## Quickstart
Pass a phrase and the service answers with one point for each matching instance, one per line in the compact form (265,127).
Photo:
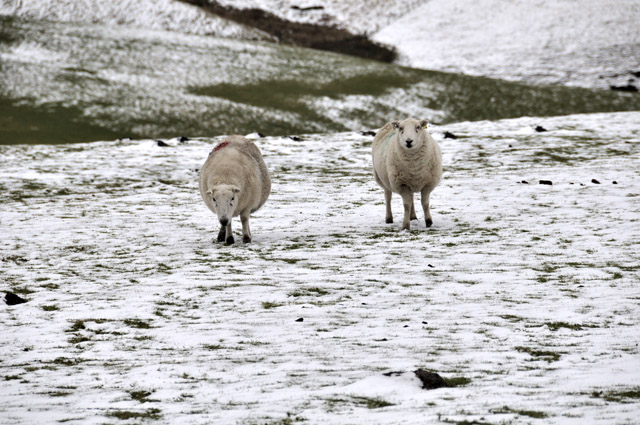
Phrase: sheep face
(224,198)
(410,133)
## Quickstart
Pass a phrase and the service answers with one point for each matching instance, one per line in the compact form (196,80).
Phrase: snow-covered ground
(590,43)
(528,291)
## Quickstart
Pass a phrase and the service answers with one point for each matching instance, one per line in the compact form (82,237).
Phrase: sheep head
(224,198)
(411,133)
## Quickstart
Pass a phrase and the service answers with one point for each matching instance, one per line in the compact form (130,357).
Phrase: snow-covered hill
(590,43)
(524,295)
(141,14)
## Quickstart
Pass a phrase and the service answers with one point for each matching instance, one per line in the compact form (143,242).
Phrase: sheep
(406,159)
(234,180)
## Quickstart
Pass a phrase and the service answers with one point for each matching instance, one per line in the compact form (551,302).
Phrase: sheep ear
(235,189)
(210,192)
(424,123)
(395,124)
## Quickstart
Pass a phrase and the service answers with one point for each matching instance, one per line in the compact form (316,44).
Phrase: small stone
(628,88)
(430,380)
(368,133)
(594,181)
(540,129)
(547,182)
(405,326)
(12,299)
(430,265)
(424,322)
(393,373)
(183,139)
(524,182)
(295,138)
(449,135)
(300,319)
(615,182)
(261,135)
(161,143)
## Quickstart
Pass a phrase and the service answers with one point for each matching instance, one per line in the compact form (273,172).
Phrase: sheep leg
(388,218)
(246,232)
(424,194)
(229,240)
(407,200)
(413,210)
(222,233)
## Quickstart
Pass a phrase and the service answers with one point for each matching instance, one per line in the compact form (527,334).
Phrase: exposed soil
(301,34)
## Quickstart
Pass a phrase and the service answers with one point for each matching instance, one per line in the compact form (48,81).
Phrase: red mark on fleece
(220,146)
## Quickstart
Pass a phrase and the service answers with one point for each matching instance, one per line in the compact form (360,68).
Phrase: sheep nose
(224,221)
(409,142)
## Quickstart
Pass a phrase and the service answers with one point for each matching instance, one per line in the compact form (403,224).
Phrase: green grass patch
(554,326)
(138,323)
(50,308)
(530,413)
(153,414)
(458,381)
(631,395)
(548,356)
(309,292)
(267,305)
(140,396)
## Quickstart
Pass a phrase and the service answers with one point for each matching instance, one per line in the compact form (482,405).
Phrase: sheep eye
(401,129)
(417,128)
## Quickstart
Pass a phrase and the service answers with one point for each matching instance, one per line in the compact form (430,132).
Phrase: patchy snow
(527,290)
(594,43)
(149,14)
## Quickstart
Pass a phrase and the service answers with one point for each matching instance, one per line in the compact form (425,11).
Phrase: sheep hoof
(388,220)
(246,239)
(230,240)
(428,222)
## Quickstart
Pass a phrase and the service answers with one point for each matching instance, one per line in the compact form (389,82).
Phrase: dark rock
(615,182)
(12,299)
(405,326)
(306,9)
(449,135)
(425,323)
(628,88)
(540,129)
(510,146)
(261,135)
(393,373)
(430,265)
(547,182)
(295,138)
(524,182)
(594,181)
(368,133)
(636,73)
(430,380)
(183,139)
(161,143)
(300,319)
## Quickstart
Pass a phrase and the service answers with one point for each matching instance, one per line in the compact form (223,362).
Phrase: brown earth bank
(301,34)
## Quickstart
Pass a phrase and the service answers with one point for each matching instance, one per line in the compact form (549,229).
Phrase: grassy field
(523,296)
